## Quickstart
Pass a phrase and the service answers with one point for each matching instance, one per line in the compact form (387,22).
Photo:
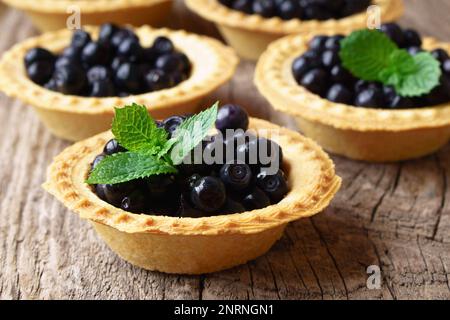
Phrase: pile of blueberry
(299,9)
(200,189)
(320,71)
(114,65)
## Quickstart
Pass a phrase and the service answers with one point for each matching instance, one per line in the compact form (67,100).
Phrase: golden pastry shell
(213,10)
(273,74)
(312,182)
(212,65)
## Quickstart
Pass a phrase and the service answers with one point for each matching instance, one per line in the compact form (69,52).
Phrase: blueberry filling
(206,188)
(299,9)
(114,65)
(320,70)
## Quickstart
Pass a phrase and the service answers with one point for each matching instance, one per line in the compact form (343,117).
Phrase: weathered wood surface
(396,216)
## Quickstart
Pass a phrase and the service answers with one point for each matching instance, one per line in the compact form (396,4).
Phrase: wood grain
(396,216)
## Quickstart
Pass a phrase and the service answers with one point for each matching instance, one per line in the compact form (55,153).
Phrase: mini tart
(49,15)
(377,135)
(75,117)
(250,35)
(197,245)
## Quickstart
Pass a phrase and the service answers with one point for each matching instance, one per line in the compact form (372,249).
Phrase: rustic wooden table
(396,216)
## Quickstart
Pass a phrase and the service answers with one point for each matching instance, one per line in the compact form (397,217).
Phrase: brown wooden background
(396,216)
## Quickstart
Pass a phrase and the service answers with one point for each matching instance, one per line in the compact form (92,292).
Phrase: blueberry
(159,185)
(256,199)
(97,160)
(97,73)
(334,42)
(163,45)
(226,3)
(301,65)
(172,123)
(231,207)
(208,194)
(80,39)
(394,32)
(289,9)
(340,94)
(157,80)
(102,88)
(128,77)
(177,77)
(353,6)
(64,61)
(107,31)
(149,55)
(341,75)
(236,176)
(370,98)
(412,38)
(243,6)
(315,81)
(414,50)
(112,146)
(116,63)
(360,85)
(38,54)
(130,50)
(274,185)
(318,42)
(446,66)
(389,94)
(186,210)
(70,79)
(95,53)
(260,152)
(114,193)
(265,8)
(330,58)
(40,71)
(134,202)
(185,64)
(399,102)
(440,54)
(168,63)
(316,12)
(50,85)
(120,35)
(231,116)
(72,53)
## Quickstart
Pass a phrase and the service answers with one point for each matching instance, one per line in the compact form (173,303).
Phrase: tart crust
(197,245)
(358,133)
(75,117)
(49,15)
(251,34)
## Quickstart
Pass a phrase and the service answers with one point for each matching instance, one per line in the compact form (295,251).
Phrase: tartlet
(196,245)
(76,117)
(49,15)
(250,35)
(368,134)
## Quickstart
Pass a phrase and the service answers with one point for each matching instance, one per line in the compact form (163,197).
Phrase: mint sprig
(370,55)
(126,166)
(135,130)
(150,152)
(190,133)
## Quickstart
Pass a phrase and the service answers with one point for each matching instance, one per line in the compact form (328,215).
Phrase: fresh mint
(135,130)
(150,152)
(370,55)
(190,133)
(126,166)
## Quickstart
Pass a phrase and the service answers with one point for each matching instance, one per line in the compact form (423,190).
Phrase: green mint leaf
(423,80)
(365,53)
(190,133)
(126,166)
(370,55)
(135,130)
